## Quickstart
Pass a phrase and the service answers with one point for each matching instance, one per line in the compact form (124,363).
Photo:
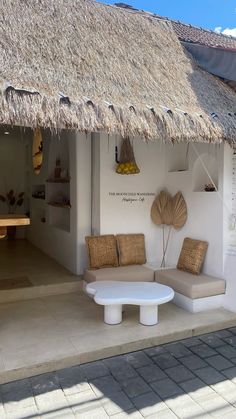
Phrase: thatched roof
(120,72)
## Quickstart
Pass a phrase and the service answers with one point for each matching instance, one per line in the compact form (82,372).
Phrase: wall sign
(132,197)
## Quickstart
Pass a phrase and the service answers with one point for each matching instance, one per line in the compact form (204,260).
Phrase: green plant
(12,200)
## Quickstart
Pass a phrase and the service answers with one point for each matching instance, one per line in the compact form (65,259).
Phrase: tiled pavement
(192,378)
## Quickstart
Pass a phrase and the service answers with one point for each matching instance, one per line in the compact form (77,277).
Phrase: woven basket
(102,251)
(131,248)
(127,164)
(192,255)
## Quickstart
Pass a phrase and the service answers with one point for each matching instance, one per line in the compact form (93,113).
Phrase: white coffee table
(113,294)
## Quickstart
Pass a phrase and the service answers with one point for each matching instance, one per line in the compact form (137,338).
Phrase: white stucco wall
(229,235)
(64,245)
(82,193)
(116,215)
(205,210)
(56,242)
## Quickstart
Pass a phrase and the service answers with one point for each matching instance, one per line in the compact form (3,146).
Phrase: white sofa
(128,273)
(193,292)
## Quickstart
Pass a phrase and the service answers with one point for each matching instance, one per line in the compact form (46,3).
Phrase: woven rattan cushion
(102,251)
(131,248)
(192,255)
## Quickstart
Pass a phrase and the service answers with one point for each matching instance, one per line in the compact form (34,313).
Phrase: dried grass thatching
(118,72)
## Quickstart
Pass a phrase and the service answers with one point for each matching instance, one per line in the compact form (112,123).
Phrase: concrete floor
(191,379)
(53,332)
(41,331)
(20,258)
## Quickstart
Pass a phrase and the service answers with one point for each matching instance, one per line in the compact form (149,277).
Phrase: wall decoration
(131,197)
(37,151)
(210,187)
(57,170)
(168,212)
(127,164)
(12,200)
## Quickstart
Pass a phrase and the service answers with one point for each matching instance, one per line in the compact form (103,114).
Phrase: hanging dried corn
(127,164)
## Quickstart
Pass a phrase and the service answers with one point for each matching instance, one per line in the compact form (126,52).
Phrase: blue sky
(211,14)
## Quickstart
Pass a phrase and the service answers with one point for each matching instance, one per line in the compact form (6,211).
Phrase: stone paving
(193,378)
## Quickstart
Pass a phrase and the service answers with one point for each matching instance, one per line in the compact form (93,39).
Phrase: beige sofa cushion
(102,251)
(131,249)
(192,286)
(192,255)
(130,273)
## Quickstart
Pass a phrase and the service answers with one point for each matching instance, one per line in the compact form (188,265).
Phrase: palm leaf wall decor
(170,212)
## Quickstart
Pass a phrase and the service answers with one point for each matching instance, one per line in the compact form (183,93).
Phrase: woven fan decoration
(127,164)
(170,212)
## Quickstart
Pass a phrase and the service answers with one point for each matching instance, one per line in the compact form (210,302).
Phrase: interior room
(35,181)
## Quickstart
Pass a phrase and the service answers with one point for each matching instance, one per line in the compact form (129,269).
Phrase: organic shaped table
(12,220)
(114,294)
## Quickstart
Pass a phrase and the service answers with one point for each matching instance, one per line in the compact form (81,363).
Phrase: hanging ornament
(127,164)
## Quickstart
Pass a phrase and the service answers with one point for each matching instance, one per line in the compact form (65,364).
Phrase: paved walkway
(193,378)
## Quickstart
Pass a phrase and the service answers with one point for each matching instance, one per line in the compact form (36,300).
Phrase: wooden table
(11,220)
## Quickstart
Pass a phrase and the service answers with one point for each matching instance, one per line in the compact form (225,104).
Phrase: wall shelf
(38,192)
(178,158)
(59,180)
(206,192)
(58,187)
(58,205)
(201,176)
(179,171)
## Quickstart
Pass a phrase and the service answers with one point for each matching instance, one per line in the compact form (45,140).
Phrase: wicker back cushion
(192,255)
(131,248)
(102,251)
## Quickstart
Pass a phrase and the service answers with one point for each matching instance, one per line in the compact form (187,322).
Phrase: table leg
(148,315)
(113,314)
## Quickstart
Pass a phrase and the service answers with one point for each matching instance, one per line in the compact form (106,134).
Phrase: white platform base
(199,304)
